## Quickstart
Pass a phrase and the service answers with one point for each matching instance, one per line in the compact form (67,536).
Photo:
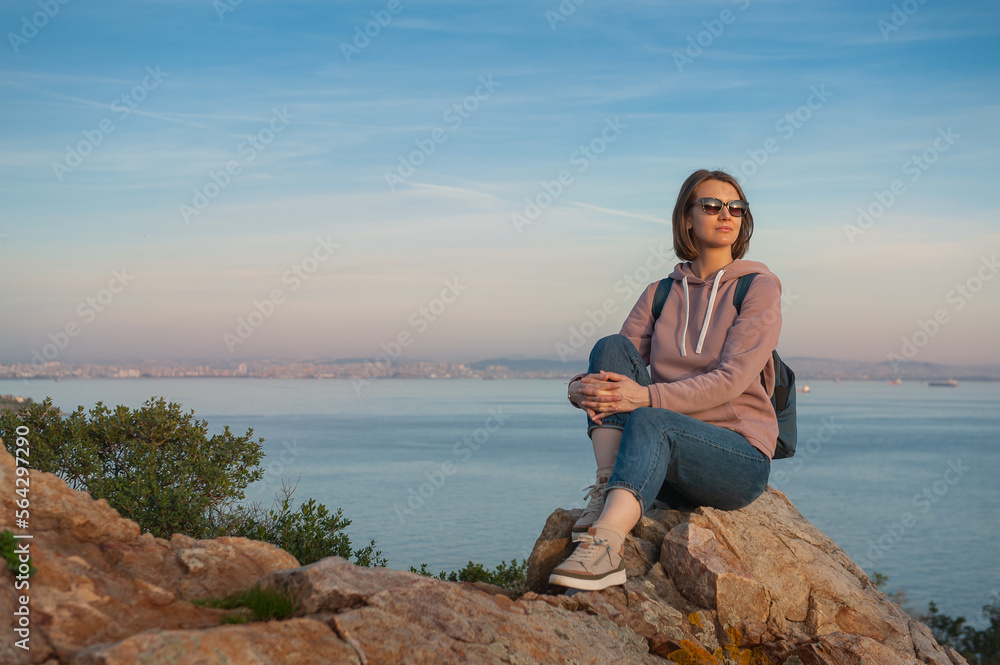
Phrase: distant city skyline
(460,181)
(363,371)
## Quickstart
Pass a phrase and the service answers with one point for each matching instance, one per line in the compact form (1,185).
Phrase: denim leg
(615,353)
(686,458)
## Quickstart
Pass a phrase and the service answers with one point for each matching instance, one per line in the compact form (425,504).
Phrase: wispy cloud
(620,213)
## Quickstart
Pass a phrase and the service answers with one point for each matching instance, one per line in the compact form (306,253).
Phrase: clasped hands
(606,393)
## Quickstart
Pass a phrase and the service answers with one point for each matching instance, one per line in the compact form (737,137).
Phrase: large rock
(761,582)
(294,642)
(398,617)
(757,585)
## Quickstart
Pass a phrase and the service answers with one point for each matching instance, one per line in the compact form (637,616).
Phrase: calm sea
(905,478)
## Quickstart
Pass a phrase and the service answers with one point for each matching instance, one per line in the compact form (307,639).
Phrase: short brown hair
(683,245)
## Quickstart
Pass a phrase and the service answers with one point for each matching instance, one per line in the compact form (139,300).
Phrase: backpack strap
(660,297)
(742,286)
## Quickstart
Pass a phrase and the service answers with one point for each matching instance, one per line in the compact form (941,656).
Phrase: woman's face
(713,231)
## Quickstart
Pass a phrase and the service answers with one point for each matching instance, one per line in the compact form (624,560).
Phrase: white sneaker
(592,566)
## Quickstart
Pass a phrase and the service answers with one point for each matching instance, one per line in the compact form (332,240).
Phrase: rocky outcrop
(757,585)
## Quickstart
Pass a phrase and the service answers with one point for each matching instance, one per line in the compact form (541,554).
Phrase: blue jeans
(677,459)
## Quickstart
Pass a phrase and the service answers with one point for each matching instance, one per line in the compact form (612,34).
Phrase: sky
(236,179)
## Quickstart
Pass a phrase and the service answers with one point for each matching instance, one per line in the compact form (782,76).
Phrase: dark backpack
(783,398)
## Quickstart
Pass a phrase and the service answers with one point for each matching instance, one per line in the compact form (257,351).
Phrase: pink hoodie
(706,361)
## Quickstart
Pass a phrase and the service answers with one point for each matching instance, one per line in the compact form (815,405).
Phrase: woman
(698,429)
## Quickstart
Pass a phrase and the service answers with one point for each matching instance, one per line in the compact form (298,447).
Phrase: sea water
(443,472)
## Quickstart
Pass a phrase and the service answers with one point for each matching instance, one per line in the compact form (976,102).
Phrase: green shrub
(7,552)
(264,604)
(157,466)
(509,577)
(977,646)
(981,647)
(309,533)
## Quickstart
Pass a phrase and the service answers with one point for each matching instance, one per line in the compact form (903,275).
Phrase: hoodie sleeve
(746,350)
(638,326)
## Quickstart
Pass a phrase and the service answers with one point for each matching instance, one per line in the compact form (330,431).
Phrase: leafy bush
(509,577)
(981,647)
(977,646)
(157,465)
(9,554)
(262,605)
(309,533)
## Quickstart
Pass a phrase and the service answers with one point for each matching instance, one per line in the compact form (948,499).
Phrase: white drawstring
(687,312)
(708,314)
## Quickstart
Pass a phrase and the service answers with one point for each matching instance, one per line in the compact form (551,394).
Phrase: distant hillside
(804,368)
(824,368)
(571,367)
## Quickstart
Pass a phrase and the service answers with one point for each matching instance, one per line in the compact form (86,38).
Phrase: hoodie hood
(683,273)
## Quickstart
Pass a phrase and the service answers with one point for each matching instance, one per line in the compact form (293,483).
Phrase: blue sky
(230,161)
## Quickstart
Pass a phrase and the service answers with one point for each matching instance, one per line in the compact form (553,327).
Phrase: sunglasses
(713,206)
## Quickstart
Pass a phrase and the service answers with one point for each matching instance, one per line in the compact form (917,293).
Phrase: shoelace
(595,493)
(589,550)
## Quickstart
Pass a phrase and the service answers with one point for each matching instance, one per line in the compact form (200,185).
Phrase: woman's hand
(605,393)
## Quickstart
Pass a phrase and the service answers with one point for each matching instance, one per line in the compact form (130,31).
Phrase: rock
(401,617)
(756,585)
(709,575)
(759,582)
(293,642)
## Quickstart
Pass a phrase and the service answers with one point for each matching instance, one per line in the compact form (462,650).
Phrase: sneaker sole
(588,584)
